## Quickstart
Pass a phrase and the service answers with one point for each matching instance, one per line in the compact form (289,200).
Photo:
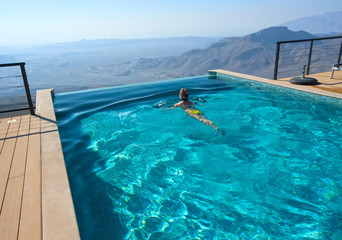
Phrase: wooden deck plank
(6,158)
(4,124)
(3,132)
(9,218)
(19,157)
(10,215)
(30,221)
(327,83)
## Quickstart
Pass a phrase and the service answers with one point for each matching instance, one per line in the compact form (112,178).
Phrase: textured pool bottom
(272,176)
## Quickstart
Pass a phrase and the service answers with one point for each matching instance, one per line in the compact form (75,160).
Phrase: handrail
(311,40)
(12,64)
(26,85)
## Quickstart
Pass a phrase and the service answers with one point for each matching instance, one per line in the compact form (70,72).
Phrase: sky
(34,22)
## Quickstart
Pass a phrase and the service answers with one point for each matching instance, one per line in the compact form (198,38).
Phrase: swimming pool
(137,171)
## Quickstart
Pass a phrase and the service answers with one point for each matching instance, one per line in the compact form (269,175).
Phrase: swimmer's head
(183,94)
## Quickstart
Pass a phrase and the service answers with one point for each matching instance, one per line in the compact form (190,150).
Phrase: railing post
(339,55)
(309,60)
(275,76)
(27,88)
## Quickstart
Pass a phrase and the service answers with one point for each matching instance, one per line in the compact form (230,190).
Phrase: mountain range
(252,54)
(327,23)
(106,62)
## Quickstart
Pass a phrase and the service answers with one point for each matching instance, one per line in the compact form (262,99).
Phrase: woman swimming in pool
(189,108)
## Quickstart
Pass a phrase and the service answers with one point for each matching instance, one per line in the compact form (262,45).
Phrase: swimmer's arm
(167,109)
(176,105)
(196,103)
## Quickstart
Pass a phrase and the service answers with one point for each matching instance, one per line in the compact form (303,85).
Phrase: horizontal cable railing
(317,54)
(11,99)
(17,76)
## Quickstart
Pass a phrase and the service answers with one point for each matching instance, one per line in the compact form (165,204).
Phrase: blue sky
(44,21)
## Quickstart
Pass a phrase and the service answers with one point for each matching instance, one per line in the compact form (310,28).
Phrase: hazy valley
(97,63)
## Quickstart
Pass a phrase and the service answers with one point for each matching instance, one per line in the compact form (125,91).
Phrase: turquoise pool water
(138,171)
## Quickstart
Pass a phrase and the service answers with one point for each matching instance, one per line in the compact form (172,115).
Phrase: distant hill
(93,63)
(251,54)
(330,22)
(118,48)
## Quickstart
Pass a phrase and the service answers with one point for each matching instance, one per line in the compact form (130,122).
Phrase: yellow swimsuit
(194,112)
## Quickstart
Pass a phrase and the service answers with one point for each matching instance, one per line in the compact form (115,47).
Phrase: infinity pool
(138,171)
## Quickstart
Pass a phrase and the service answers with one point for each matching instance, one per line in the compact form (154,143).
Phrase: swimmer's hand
(220,131)
(164,105)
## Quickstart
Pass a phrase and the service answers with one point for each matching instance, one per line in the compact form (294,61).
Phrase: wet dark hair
(184,94)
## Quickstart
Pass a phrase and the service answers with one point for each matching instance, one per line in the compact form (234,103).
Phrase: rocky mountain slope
(251,54)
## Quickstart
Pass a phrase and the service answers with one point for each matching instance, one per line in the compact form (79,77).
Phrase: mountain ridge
(250,54)
(97,63)
(329,22)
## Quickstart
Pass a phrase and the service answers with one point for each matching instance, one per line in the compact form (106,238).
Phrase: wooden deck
(326,84)
(20,178)
(35,198)
(326,87)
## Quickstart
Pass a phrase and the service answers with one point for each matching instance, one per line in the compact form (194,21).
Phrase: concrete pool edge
(58,213)
(303,88)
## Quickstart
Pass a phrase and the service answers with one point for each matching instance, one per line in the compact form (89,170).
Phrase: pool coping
(58,212)
(284,84)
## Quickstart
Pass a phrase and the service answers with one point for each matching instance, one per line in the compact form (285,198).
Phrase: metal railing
(306,58)
(25,81)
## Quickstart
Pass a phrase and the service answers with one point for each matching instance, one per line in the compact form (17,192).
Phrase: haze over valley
(90,64)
